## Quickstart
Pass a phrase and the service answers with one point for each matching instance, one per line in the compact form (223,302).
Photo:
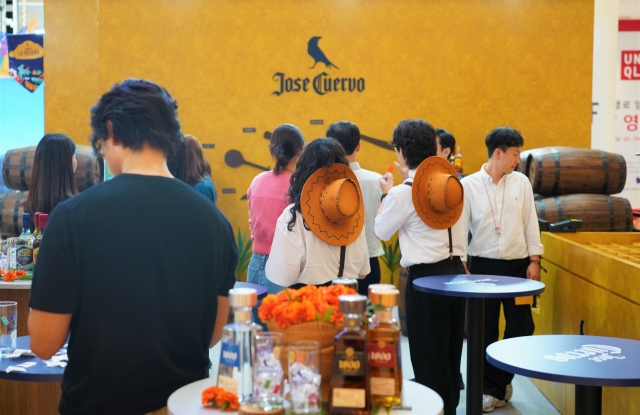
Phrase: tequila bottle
(42,219)
(349,382)
(24,246)
(383,339)
(235,373)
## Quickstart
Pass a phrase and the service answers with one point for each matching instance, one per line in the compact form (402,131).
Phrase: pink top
(267,200)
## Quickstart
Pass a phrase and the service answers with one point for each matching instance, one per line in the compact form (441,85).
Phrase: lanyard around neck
(493,216)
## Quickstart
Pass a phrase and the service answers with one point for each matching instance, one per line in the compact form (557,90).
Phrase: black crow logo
(317,54)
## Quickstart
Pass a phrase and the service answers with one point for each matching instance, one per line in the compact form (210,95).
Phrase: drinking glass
(304,376)
(8,326)
(268,375)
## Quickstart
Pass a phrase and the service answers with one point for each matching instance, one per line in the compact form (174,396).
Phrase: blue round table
(589,362)
(262,291)
(476,288)
(38,373)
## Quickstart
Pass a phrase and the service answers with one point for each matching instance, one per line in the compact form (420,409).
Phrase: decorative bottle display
(350,374)
(383,337)
(236,357)
(42,219)
(24,246)
(457,160)
(349,282)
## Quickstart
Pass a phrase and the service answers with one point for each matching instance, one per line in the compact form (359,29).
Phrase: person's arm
(532,234)
(222,316)
(404,171)
(390,217)
(361,244)
(49,332)
(287,255)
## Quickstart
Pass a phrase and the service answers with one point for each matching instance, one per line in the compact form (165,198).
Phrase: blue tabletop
(478,286)
(580,360)
(262,291)
(38,373)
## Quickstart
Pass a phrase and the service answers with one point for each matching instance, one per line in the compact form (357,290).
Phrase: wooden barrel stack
(17,167)
(577,183)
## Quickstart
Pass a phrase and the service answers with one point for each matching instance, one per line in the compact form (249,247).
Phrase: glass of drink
(8,326)
(268,375)
(304,376)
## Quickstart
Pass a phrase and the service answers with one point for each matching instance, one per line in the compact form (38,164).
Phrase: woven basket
(319,331)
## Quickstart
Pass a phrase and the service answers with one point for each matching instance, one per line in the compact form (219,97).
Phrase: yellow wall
(465,65)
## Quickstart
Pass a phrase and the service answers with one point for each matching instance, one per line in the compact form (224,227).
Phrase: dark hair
(140,112)
(503,138)
(447,140)
(347,134)
(321,152)
(197,166)
(286,142)
(177,163)
(52,178)
(416,139)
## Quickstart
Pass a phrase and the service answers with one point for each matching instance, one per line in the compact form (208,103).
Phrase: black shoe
(461,382)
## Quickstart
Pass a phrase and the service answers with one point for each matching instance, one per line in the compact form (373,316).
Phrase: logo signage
(630,65)
(230,355)
(322,83)
(595,352)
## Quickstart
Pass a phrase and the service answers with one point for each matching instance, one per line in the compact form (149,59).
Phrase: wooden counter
(19,292)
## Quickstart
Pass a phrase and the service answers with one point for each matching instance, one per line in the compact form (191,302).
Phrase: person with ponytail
(267,199)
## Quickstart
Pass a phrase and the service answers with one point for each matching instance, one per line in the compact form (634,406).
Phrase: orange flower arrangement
(308,303)
(220,398)
(12,275)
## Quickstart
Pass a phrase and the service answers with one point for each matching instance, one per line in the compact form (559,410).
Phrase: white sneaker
(489,403)
(509,393)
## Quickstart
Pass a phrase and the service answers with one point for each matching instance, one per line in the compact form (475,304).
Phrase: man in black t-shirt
(135,270)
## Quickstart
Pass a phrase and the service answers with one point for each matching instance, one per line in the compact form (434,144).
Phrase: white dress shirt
(299,256)
(519,235)
(419,243)
(371,194)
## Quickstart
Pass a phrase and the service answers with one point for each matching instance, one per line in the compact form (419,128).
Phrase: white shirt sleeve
(391,218)
(466,217)
(287,256)
(531,227)
(361,244)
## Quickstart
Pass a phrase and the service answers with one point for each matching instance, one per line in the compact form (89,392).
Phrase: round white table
(422,400)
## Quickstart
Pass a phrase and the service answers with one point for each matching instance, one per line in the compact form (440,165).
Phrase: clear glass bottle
(42,219)
(383,338)
(36,221)
(349,282)
(235,373)
(349,384)
(24,246)
(458,160)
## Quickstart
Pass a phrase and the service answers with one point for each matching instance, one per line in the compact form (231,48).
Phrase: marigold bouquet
(306,304)
(220,398)
(11,275)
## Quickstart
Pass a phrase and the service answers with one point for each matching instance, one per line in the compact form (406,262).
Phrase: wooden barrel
(402,309)
(11,211)
(17,167)
(599,213)
(569,170)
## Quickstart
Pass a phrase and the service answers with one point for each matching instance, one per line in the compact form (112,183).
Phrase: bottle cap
(243,297)
(36,218)
(384,297)
(26,220)
(349,282)
(44,218)
(381,287)
(352,303)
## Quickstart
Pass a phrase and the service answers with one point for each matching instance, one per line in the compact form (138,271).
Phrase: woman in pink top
(267,198)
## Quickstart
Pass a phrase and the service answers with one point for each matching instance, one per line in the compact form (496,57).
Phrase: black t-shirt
(139,261)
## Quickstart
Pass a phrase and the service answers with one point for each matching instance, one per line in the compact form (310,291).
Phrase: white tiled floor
(527,399)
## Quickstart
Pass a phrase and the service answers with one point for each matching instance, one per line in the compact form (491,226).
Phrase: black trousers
(518,318)
(435,324)
(372,277)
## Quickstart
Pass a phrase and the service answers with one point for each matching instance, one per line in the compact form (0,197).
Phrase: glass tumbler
(304,376)
(268,375)
(8,326)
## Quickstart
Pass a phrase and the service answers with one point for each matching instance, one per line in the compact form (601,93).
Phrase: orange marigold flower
(20,273)
(220,398)
(9,276)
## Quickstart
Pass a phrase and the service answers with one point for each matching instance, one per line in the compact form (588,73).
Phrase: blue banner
(26,59)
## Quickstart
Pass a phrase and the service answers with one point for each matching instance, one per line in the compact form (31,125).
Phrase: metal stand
(475,355)
(588,400)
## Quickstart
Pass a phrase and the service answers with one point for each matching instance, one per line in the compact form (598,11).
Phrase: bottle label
(230,354)
(382,354)
(383,386)
(348,398)
(349,362)
(24,256)
(230,384)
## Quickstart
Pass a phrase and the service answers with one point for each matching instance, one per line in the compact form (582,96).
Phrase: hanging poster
(627,140)
(26,59)
(4,58)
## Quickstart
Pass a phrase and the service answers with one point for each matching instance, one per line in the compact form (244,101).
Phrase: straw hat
(438,196)
(331,204)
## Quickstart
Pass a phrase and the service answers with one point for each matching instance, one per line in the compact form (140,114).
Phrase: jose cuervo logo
(596,352)
(322,83)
